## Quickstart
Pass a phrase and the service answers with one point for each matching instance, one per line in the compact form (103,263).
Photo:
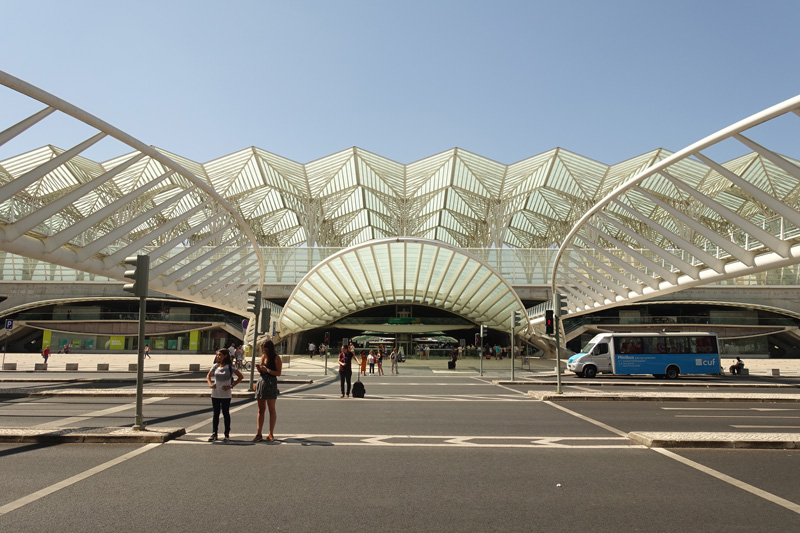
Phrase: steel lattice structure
(685,221)
(650,225)
(58,207)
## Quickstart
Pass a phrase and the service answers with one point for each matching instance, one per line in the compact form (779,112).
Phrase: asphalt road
(418,454)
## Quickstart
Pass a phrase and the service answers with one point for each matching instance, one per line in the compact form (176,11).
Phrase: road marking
(688,462)
(16,504)
(727,409)
(760,417)
(590,420)
(766,427)
(434,441)
(64,422)
(732,481)
(422,397)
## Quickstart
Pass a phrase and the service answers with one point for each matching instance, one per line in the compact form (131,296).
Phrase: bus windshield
(588,347)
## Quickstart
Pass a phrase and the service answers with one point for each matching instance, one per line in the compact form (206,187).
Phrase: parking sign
(9,323)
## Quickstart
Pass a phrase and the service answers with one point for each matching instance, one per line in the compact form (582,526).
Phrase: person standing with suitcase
(345,369)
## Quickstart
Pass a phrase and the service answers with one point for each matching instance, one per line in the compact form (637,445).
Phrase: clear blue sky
(406,79)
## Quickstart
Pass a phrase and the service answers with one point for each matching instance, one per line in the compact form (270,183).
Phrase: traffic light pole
(139,273)
(254,306)
(556,323)
(253,353)
(139,417)
(513,324)
(480,349)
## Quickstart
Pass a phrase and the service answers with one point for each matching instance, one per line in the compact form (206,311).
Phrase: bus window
(602,349)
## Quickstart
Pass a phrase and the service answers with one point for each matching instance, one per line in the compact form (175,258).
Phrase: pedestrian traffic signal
(254,302)
(549,322)
(477,339)
(327,338)
(139,272)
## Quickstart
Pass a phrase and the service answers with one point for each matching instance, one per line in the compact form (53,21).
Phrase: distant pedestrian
(371,361)
(379,361)
(147,351)
(224,374)
(267,389)
(427,352)
(232,350)
(393,358)
(362,363)
(311,349)
(239,356)
(46,353)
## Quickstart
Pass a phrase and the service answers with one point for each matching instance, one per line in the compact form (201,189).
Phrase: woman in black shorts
(267,388)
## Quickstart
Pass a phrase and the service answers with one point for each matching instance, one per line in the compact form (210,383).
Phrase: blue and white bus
(664,355)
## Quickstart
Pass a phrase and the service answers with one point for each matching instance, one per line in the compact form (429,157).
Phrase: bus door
(601,357)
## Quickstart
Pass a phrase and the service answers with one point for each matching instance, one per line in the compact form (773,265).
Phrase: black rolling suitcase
(451,365)
(358,388)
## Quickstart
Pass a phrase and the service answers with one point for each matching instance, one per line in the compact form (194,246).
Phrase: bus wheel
(673,372)
(590,371)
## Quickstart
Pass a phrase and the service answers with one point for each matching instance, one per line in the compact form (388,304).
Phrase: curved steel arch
(58,207)
(685,221)
(400,270)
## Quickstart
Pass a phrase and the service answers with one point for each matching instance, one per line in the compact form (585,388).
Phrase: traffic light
(327,338)
(477,339)
(549,322)
(560,304)
(265,316)
(139,272)
(483,332)
(254,302)
(517,318)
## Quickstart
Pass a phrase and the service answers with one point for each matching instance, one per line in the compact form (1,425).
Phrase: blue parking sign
(9,323)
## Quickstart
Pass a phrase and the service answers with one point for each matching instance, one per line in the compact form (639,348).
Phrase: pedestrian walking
(224,374)
(311,349)
(393,358)
(269,368)
(371,361)
(345,369)
(46,353)
(147,351)
(362,363)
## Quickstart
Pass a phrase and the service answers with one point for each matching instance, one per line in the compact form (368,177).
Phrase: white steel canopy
(401,271)
(687,220)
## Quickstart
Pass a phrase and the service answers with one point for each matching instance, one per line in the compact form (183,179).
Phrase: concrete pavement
(302,369)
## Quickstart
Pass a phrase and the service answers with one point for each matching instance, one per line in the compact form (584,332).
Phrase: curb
(116,393)
(698,384)
(88,435)
(771,441)
(663,397)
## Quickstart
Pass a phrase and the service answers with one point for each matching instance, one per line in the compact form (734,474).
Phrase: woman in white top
(223,373)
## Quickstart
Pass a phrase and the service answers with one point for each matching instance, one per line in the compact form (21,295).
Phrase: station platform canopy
(401,271)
